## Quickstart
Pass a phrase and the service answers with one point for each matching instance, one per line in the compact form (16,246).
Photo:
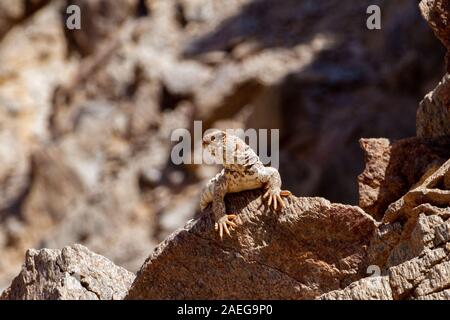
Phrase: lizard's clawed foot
(274,198)
(225,223)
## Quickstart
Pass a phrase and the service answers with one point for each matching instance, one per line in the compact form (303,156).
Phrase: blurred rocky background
(86,115)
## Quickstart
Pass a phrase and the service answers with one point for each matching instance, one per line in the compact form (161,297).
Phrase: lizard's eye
(213,138)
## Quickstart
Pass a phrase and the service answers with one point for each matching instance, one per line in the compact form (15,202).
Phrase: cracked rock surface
(371,288)
(311,247)
(73,273)
(412,247)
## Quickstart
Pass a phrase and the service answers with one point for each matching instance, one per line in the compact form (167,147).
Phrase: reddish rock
(311,247)
(393,168)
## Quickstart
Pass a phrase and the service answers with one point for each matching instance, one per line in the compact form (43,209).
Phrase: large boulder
(310,247)
(73,273)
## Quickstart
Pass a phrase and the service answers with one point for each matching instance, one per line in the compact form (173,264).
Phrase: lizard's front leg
(223,221)
(272,179)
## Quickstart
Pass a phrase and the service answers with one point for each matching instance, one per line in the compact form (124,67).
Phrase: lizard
(242,170)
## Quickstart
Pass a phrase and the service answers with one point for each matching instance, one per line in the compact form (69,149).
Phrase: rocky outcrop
(73,273)
(86,117)
(433,115)
(309,248)
(389,173)
(432,194)
(299,253)
(418,266)
(312,249)
(411,249)
(406,184)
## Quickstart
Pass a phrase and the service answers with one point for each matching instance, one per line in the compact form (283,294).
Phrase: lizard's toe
(225,224)
(270,200)
(275,199)
(280,200)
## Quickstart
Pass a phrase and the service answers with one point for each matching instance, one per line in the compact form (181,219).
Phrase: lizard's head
(227,149)
(214,141)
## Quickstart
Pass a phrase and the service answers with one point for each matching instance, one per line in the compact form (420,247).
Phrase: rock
(97,20)
(14,169)
(86,115)
(34,56)
(433,115)
(442,295)
(13,13)
(407,278)
(431,191)
(372,288)
(34,62)
(311,247)
(388,174)
(98,205)
(437,14)
(421,278)
(416,238)
(73,273)
(417,266)
(411,249)
(377,152)
(386,238)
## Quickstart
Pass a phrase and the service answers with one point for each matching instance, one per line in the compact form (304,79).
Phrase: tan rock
(408,275)
(371,288)
(73,273)
(433,115)
(34,63)
(442,295)
(388,174)
(15,12)
(430,191)
(437,278)
(378,154)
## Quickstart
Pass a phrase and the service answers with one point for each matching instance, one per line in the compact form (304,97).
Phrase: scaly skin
(242,171)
